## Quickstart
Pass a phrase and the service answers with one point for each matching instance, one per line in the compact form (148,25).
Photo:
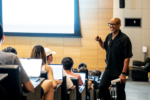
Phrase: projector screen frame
(77,30)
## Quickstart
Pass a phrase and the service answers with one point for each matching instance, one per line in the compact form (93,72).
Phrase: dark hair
(48,56)
(10,49)
(67,63)
(1,32)
(75,70)
(84,70)
(38,52)
(82,65)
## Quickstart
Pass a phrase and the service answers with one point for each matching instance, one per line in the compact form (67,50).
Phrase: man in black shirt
(118,53)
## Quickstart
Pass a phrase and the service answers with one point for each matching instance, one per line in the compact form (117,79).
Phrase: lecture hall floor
(137,90)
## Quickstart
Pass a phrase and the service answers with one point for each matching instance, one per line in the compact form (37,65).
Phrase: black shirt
(117,50)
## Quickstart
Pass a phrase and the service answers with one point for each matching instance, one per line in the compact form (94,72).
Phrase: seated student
(46,86)
(49,55)
(84,70)
(67,65)
(38,52)
(10,49)
(50,60)
(82,65)
(12,59)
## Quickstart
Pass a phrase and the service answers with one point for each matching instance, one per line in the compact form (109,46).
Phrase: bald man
(118,49)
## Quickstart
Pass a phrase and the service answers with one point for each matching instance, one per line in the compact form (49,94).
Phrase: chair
(140,73)
(64,89)
(12,85)
(67,94)
(44,74)
(140,63)
(80,94)
(90,92)
(95,88)
(3,93)
(57,90)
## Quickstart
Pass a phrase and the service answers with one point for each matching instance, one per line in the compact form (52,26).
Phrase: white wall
(138,36)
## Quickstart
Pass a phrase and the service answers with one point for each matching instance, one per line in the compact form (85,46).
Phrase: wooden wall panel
(23,50)
(89,23)
(9,40)
(87,13)
(94,18)
(105,13)
(72,52)
(55,41)
(3,46)
(105,4)
(101,63)
(88,4)
(38,41)
(58,49)
(101,54)
(88,53)
(89,43)
(91,63)
(22,40)
(72,42)
(76,62)
(89,33)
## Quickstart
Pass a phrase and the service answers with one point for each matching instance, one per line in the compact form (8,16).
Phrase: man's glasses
(109,24)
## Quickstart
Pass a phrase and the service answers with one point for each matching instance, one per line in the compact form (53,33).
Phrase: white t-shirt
(68,80)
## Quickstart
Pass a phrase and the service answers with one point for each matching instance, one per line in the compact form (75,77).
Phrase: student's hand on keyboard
(58,82)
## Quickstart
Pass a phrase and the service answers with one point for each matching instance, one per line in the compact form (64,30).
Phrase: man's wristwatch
(123,73)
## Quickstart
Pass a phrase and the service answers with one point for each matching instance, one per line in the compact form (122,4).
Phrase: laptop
(33,68)
(94,77)
(57,71)
(83,77)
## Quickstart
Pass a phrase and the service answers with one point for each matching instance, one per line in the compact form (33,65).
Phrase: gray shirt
(12,59)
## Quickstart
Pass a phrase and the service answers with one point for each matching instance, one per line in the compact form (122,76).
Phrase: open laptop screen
(82,77)
(57,71)
(32,66)
(94,77)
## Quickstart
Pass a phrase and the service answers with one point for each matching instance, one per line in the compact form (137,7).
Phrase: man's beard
(116,30)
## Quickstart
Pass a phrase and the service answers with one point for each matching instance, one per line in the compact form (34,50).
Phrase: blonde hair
(38,52)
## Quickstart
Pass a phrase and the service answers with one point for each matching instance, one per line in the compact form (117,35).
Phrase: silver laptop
(57,71)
